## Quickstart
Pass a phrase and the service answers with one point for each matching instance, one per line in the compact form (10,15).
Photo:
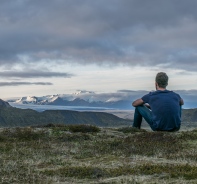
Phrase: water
(41,108)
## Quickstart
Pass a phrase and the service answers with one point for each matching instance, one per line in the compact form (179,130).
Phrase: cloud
(127,95)
(130,91)
(189,96)
(130,32)
(33,74)
(2,84)
(184,73)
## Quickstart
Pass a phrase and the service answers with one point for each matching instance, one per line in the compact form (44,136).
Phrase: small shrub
(83,128)
(23,134)
(188,135)
(194,130)
(60,131)
(152,143)
(6,147)
(28,134)
(74,137)
(50,125)
(130,130)
(2,138)
(174,171)
(78,172)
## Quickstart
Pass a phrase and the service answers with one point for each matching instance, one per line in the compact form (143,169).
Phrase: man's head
(161,80)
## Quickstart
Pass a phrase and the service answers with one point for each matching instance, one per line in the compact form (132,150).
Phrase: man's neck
(161,89)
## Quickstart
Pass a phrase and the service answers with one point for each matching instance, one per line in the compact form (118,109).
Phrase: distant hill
(12,117)
(189,115)
(4,104)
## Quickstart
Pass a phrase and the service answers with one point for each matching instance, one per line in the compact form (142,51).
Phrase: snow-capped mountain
(80,98)
(121,99)
(28,100)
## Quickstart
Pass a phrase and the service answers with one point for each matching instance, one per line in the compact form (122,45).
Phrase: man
(161,109)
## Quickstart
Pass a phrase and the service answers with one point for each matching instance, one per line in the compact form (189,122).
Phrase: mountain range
(14,117)
(81,98)
(121,99)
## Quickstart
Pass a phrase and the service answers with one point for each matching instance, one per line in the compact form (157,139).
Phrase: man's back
(165,113)
(166,109)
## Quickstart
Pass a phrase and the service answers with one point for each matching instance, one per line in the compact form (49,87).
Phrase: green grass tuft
(187,171)
(25,134)
(130,130)
(83,128)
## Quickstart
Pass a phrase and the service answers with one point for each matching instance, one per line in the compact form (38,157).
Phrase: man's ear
(156,85)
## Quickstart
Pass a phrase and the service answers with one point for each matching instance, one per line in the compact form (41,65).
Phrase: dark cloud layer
(24,83)
(33,74)
(131,32)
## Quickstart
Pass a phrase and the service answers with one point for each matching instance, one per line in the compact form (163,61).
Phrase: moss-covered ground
(88,154)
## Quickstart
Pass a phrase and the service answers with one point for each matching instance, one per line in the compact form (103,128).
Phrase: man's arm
(137,102)
(181,102)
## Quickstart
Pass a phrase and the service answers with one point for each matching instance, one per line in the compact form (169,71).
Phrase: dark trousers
(143,112)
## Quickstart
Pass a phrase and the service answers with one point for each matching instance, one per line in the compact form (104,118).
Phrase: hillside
(189,115)
(91,155)
(12,117)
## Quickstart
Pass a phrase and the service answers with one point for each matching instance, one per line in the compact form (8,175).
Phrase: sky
(57,47)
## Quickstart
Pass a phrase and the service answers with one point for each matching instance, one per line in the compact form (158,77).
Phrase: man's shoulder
(159,92)
(152,93)
(147,96)
(169,93)
(177,95)
(174,93)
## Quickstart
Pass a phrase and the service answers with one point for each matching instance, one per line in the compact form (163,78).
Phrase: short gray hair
(161,79)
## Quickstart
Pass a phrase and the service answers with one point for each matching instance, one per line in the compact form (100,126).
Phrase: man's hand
(147,105)
(137,102)
(181,102)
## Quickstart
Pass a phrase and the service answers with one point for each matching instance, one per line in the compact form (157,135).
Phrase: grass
(130,130)
(88,154)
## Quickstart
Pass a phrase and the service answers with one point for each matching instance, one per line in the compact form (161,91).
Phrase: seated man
(161,108)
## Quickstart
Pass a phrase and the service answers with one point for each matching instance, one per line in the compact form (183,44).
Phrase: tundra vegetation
(89,154)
